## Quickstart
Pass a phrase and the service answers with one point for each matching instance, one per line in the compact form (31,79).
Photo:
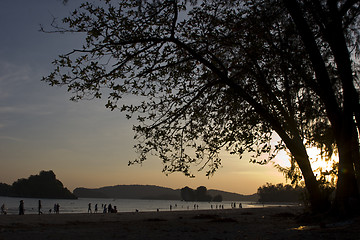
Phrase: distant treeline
(157,192)
(44,185)
(198,195)
(280,193)
(128,192)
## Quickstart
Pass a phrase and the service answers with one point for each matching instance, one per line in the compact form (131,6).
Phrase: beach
(246,223)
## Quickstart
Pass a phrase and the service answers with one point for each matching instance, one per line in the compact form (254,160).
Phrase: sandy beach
(246,223)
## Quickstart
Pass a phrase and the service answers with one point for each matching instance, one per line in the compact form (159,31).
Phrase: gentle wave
(123,205)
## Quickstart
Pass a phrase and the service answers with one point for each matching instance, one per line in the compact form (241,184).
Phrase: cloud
(13,78)
(11,139)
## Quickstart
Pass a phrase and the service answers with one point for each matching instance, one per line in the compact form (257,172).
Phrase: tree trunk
(319,202)
(347,191)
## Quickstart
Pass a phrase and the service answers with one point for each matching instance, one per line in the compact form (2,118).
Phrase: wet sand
(247,223)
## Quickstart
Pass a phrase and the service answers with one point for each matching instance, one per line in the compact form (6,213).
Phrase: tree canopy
(230,75)
(280,193)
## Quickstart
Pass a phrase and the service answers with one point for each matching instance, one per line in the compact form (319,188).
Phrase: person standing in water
(21,207)
(39,207)
(3,209)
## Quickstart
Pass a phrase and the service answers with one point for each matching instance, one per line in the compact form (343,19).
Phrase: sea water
(123,205)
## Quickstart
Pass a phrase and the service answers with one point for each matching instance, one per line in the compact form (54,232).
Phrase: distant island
(153,192)
(44,185)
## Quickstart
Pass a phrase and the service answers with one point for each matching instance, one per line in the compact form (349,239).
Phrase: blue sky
(85,144)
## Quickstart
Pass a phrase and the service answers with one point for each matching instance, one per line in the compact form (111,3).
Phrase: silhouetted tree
(187,194)
(280,193)
(201,194)
(225,75)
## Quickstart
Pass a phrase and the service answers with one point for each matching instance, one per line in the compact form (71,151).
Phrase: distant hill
(229,196)
(151,192)
(129,192)
(44,185)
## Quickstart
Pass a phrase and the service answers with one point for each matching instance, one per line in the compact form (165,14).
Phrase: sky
(85,144)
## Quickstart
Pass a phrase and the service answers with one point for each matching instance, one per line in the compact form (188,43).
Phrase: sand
(249,223)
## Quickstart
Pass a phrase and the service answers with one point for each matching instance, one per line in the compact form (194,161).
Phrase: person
(96,208)
(89,208)
(21,207)
(109,208)
(39,207)
(57,208)
(3,209)
(105,209)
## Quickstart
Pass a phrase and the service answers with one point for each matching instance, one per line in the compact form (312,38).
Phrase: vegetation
(129,192)
(228,75)
(44,185)
(198,195)
(280,193)
(161,193)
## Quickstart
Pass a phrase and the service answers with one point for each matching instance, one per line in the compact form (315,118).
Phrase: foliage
(199,195)
(201,87)
(213,75)
(280,193)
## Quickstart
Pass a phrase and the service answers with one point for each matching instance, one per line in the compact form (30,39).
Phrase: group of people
(22,209)
(233,205)
(106,208)
(56,208)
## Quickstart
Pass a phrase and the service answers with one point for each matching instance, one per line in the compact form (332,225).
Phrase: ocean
(123,205)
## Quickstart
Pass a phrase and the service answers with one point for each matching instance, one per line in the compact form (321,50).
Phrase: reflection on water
(123,205)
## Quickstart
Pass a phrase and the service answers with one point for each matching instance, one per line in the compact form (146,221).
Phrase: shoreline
(245,223)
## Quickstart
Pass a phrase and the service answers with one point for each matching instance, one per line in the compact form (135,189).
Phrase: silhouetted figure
(240,205)
(105,209)
(96,208)
(57,207)
(89,208)
(39,207)
(114,209)
(109,208)
(21,207)
(170,207)
(3,209)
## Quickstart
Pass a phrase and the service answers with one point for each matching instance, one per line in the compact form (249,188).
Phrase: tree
(202,195)
(335,24)
(187,194)
(209,76)
(280,193)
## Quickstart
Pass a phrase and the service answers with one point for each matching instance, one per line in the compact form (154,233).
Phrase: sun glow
(320,164)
